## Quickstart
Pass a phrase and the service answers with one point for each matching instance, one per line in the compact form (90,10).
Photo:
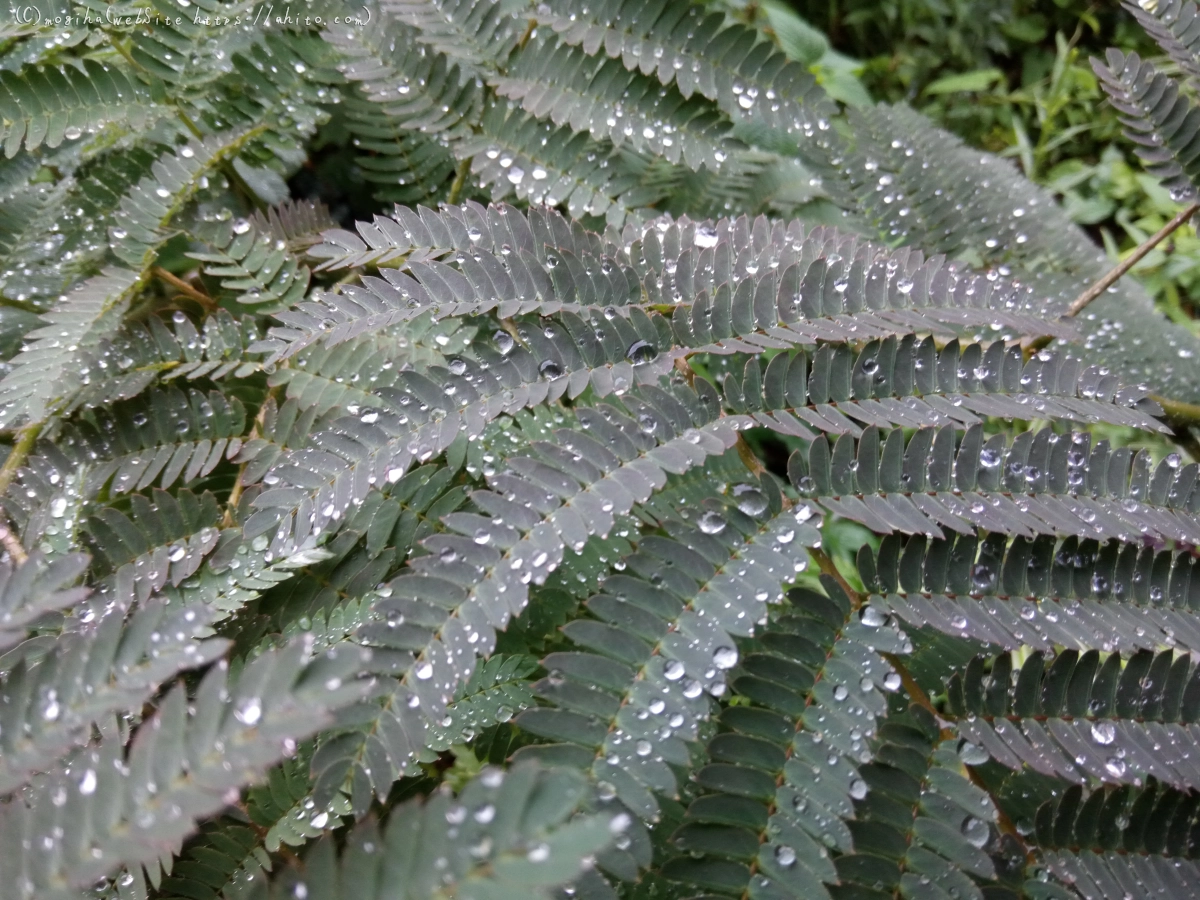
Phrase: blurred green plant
(1012,77)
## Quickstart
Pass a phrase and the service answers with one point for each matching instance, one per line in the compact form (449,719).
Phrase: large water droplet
(750,499)
(641,352)
(1104,732)
(725,657)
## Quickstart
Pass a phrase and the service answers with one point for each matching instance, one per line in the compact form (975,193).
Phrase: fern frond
(506,835)
(108,666)
(44,106)
(144,353)
(182,765)
(44,372)
(781,779)
(476,35)
(662,639)
(164,540)
(415,90)
(1041,483)
(681,44)
(162,437)
(253,265)
(562,83)
(475,579)
(497,690)
(918,185)
(1038,593)
(911,384)
(1175,27)
(34,589)
(789,286)
(401,164)
(1160,120)
(542,164)
(1077,719)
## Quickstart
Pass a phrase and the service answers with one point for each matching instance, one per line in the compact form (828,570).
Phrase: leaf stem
(26,438)
(460,180)
(176,282)
(826,564)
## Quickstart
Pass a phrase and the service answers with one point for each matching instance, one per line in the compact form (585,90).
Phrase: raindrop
(706,236)
(972,754)
(712,522)
(750,499)
(1104,732)
(872,617)
(725,657)
(641,352)
(249,711)
(785,856)
(976,832)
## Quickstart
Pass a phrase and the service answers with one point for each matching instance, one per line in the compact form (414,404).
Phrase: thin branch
(826,564)
(915,692)
(184,288)
(12,543)
(1080,303)
(1131,260)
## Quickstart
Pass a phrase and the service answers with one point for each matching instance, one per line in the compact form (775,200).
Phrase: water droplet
(750,499)
(725,657)
(858,789)
(706,236)
(641,352)
(976,831)
(972,754)
(712,522)
(1104,732)
(249,711)
(87,784)
(785,856)
(872,617)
